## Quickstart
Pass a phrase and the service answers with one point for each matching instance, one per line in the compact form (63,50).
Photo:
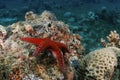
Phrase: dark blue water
(92,19)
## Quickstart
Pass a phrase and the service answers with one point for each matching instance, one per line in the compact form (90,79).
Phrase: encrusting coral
(99,64)
(19,54)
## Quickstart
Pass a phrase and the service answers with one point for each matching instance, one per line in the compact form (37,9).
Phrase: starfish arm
(38,50)
(43,46)
(62,47)
(57,54)
(36,41)
(60,60)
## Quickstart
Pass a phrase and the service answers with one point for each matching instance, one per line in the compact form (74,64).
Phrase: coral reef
(113,40)
(22,64)
(99,64)
(86,19)
(18,62)
(102,64)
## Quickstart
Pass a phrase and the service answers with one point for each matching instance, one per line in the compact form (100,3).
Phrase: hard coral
(99,64)
(113,40)
(113,36)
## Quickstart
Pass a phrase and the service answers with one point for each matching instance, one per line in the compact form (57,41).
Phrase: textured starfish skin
(54,47)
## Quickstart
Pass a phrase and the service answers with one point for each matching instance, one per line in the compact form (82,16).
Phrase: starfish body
(54,47)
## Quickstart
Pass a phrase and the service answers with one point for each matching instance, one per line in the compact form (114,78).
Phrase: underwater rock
(91,16)
(72,19)
(104,9)
(3,31)
(30,16)
(3,34)
(68,14)
(75,29)
(99,64)
(31,77)
(48,15)
(44,66)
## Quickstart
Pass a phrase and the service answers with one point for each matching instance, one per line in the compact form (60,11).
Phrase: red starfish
(54,47)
